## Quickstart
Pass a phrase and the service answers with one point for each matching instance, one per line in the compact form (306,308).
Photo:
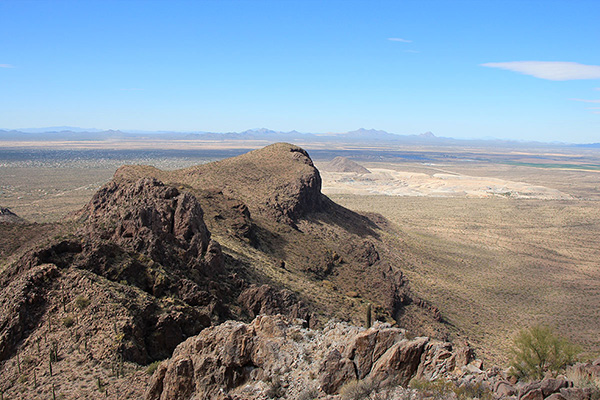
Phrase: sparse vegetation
(310,393)
(275,389)
(152,367)
(441,389)
(538,350)
(68,321)
(358,389)
(583,379)
(82,302)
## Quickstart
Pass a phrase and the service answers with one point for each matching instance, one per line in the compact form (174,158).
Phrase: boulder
(400,362)
(335,371)
(504,389)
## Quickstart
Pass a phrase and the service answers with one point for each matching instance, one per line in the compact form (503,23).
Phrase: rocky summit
(158,261)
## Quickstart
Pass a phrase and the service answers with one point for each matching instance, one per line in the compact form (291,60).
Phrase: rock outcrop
(236,360)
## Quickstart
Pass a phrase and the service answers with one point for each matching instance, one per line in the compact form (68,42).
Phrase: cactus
(50,365)
(64,298)
(368,324)
(53,393)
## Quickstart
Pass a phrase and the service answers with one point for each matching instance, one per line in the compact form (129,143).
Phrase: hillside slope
(157,256)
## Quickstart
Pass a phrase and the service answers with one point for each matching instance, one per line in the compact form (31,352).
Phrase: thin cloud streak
(6,66)
(586,101)
(399,40)
(550,70)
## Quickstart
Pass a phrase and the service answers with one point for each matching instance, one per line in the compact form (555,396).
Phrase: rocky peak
(149,217)
(279,181)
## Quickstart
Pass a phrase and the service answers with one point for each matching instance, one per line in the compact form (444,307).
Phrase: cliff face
(156,257)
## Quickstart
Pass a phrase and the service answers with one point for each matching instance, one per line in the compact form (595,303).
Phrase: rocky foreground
(275,357)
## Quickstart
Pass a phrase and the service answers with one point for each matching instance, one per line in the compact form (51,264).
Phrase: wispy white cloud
(394,39)
(551,70)
(6,66)
(586,100)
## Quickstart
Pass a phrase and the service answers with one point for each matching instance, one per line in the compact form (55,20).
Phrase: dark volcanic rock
(22,304)
(266,300)
(151,218)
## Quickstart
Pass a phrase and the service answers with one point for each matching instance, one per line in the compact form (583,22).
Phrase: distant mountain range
(362,135)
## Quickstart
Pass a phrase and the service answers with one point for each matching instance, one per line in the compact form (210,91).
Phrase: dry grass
(495,265)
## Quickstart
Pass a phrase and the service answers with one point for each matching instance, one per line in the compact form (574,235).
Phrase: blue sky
(526,70)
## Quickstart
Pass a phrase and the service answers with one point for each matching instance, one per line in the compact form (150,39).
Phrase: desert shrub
(475,390)
(68,321)
(82,302)
(308,394)
(538,350)
(275,390)
(152,367)
(438,389)
(296,336)
(358,390)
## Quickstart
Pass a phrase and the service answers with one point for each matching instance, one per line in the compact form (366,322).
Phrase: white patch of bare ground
(400,183)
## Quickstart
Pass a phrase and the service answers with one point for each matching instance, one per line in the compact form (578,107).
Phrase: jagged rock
(370,345)
(575,393)
(546,386)
(437,361)
(535,394)
(264,299)
(555,396)
(504,389)
(151,218)
(400,362)
(552,385)
(335,371)
(464,354)
(236,359)
(22,304)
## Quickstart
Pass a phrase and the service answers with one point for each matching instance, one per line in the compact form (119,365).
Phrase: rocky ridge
(275,357)
(157,257)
